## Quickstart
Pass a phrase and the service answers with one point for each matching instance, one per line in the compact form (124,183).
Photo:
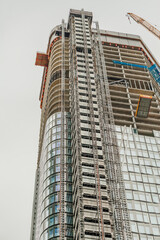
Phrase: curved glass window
(56,231)
(58,115)
(69,232)
(58,144)
(53,198)
(58,121)
(57,177)
(58,129)
(51,221)
(69,208)
(69,197)
(58,136)
(50,189)
(69,219)
(50,210)
(57,169)
(56,220)
(53,145)
(51,185)
(69,159)
(57,187)
(53,130)
(52,179)
(56,208)
(57,159)
(51,170)
(50,233)
(58,151)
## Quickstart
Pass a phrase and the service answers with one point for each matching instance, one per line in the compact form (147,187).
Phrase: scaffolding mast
(62,156)
(75,117)
(93,134)
(115,184)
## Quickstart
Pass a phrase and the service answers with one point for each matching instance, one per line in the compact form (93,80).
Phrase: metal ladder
(115,184)
(93,134)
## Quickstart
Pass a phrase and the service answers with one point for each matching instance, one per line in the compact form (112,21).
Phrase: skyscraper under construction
(98,169)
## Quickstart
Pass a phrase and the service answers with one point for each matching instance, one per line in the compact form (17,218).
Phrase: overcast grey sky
(25,27)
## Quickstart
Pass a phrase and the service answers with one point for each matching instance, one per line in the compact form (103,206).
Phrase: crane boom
(146,24)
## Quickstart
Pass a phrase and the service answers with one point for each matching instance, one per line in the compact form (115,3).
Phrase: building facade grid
(98,169)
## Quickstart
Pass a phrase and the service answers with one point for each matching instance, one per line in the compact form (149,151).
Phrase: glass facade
(140,157)
(49,188)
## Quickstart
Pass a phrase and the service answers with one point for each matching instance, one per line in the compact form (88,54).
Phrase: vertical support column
(93,134)
(130,104)
(75,120)
(62,157)
(112,160)
(128,94)
(35,207)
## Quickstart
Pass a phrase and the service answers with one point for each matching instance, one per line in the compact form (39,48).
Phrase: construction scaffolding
(62,156)
(93,134)
(115,184)
(75,117)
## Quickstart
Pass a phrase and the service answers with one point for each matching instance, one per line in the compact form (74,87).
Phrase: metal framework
(145,24)
(127,90)
(115,184)
(75,117)
(62,156)
(93,135)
